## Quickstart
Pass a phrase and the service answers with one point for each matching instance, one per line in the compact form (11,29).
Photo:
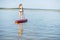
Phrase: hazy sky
(41,4)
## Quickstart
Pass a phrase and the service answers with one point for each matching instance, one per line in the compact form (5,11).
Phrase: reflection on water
(20,31)
(41,25)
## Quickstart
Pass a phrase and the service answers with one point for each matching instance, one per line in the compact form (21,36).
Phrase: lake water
(41,25)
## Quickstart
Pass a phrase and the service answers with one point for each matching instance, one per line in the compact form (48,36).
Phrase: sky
(40,4)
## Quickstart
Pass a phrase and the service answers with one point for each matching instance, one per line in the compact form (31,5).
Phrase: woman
(21,11)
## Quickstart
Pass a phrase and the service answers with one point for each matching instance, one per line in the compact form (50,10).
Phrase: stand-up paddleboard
(21,21)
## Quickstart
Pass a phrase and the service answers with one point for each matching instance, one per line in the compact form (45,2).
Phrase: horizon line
(32,9)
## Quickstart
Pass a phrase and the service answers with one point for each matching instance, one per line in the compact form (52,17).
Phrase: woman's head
(20,5)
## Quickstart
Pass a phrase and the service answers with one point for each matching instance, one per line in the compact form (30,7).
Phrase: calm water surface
(41,25)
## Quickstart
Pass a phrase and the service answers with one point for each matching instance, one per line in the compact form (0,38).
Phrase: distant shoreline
(32,9)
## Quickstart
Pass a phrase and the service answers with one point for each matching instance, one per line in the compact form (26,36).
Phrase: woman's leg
(21,14)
